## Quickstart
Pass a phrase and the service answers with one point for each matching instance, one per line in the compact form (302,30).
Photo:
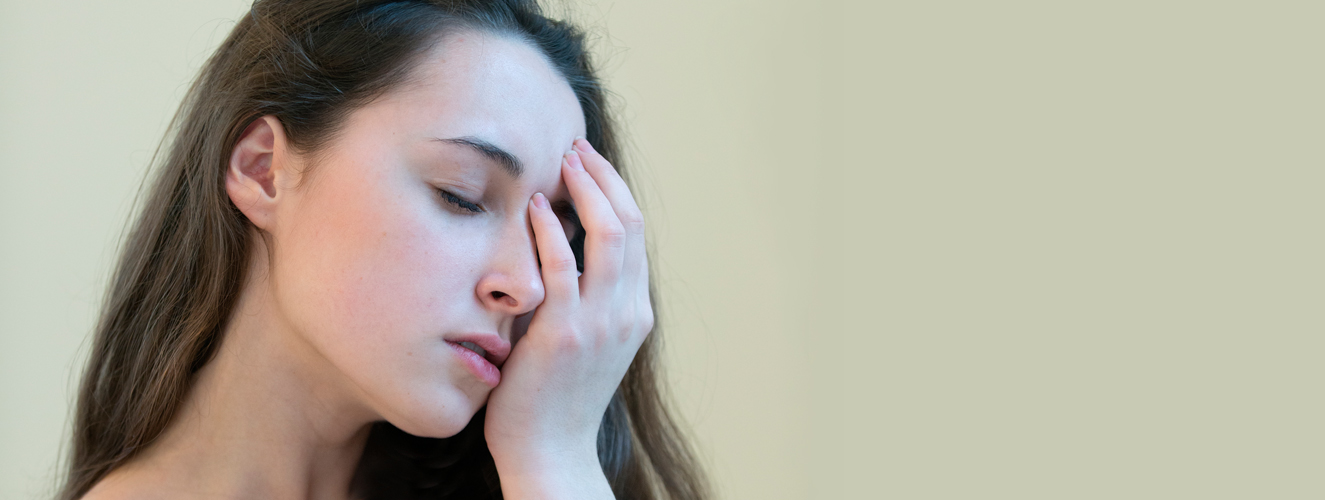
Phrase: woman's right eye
(460,202)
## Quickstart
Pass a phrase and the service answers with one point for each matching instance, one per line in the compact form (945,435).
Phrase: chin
(444,418)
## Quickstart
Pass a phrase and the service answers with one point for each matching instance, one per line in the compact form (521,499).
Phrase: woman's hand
(542,419)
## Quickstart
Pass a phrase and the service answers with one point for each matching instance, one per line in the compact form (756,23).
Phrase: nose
(512,283)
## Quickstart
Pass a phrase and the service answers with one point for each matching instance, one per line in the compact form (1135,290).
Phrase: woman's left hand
(555,387)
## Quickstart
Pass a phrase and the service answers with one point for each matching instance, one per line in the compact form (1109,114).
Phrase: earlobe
(255,163)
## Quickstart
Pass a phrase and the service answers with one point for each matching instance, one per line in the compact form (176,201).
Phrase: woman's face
(410,234)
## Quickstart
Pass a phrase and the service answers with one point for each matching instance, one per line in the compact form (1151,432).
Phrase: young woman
(388,254)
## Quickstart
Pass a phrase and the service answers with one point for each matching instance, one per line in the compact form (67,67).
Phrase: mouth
(473,359)
(474,347)
(482,353)
(488,346)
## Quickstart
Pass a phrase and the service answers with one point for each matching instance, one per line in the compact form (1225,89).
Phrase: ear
(257,162)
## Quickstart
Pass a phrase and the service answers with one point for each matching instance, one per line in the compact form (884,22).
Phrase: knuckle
(633,221)
(620,320)
(628,325)
(570,342)
(560,264)
(612,234)
(627,334)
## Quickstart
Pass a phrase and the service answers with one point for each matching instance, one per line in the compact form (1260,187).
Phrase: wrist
(536,458)
(551,473)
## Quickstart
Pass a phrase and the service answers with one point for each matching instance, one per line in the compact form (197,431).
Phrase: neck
(267,417)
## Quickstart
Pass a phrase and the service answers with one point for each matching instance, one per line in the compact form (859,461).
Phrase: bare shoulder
(121,484)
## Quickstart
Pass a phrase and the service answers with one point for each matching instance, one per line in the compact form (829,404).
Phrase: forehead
(494,87)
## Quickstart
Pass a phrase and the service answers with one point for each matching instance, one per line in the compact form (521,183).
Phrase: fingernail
(540,201)
(573,159)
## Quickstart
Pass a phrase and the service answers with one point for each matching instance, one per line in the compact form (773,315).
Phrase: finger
(560,278)
(623,203)
(604,241)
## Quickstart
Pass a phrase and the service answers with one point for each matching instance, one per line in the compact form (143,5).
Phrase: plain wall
(914,250)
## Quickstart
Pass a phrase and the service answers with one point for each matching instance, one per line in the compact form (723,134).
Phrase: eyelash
(563,210)
(460,202)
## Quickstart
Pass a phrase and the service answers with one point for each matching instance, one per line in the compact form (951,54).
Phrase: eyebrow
(507,161)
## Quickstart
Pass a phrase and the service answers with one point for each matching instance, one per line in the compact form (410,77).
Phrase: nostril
(503,298)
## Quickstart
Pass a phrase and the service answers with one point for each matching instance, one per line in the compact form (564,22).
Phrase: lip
(482,369)
(497,348)
(485,368)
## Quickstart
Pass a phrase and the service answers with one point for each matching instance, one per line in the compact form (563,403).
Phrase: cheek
(373,279)
(371,265)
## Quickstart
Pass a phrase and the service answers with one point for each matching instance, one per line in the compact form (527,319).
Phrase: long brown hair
(310,63)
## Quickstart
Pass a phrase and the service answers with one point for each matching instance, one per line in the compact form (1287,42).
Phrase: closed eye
(459,202)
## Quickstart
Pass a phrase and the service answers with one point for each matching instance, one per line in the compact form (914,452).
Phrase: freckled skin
(372,267)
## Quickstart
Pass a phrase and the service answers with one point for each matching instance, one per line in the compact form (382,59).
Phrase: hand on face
(558,381)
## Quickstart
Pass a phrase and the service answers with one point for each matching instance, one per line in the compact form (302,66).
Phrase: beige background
(913,250)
